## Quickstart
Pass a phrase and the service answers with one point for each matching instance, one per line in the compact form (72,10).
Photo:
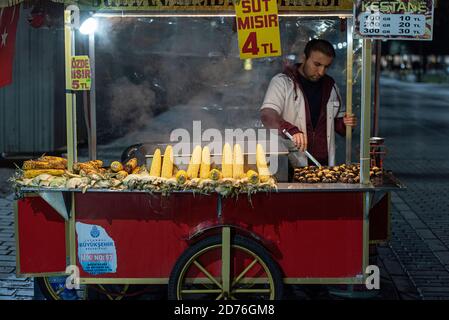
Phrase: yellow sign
(258,28)
(80,73)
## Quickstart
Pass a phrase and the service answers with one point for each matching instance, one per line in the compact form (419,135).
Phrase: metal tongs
(288,135)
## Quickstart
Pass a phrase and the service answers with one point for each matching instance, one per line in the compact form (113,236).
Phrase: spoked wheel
(108,291)
(54,288)
(225,268)
(124,292)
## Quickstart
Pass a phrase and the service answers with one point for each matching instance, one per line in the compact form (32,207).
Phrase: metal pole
(349,83)
(364,144)
(69,41)
(365,112)
(377,89)
(69,36)
(226,261)
(93,108)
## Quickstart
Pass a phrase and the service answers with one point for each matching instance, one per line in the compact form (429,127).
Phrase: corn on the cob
(89,165)
(78,166)
(52,158)
(93,163)
(37,164)
(226,161)
(205,163)
(96,163)
(195,162)
(155,170)
(253,176)
(167,163)
(130,165)
(181,177)
(237,165)
(121,175)
(215,174)
(116,166)
(35,172)
(261,162)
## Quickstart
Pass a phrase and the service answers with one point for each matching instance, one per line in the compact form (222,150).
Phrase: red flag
(8,27)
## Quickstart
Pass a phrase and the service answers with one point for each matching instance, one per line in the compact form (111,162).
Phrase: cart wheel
(53,288)
(200,272)
(107,291)
(126,292)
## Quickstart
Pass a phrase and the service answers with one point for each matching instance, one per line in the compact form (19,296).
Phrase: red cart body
(310,235)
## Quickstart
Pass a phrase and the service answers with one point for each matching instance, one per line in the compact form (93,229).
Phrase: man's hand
(300,140)
(350,120)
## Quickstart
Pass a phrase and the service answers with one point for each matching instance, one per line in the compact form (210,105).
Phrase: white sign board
(399,19)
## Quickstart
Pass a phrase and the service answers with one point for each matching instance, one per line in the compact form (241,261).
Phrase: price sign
(258,28)
(406,20)
(80,73)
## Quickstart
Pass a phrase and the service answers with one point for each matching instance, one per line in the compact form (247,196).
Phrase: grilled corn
(37,164)
(35,172)
(130,165)
(181,177)
(121,175)
(116,166)
(215,174)
(253,176)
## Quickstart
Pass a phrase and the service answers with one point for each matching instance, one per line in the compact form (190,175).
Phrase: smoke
(159,74)
(130,104)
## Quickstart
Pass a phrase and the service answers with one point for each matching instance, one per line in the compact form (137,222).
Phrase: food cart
(209,246)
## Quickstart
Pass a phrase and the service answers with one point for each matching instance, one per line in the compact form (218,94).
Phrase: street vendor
(305,101)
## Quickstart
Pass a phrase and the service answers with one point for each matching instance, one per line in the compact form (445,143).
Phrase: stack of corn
(54,166)
(121,171)
(93,166)
(163,176)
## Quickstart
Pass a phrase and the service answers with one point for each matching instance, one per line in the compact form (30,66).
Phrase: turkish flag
(8,27)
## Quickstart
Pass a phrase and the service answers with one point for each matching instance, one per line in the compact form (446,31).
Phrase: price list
(382,25)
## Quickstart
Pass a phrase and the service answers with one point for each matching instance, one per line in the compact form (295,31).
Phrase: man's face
(315,67)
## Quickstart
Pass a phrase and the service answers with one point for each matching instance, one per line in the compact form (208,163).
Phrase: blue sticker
(96,249)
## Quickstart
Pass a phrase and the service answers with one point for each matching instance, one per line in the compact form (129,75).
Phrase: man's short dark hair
(320,45)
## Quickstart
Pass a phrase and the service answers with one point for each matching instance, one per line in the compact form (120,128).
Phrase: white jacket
(280,96)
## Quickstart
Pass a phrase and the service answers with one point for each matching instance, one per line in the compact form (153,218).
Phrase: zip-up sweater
(285,95)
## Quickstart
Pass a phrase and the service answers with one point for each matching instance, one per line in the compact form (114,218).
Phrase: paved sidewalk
(420,228)
(10,286)
(414,120)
